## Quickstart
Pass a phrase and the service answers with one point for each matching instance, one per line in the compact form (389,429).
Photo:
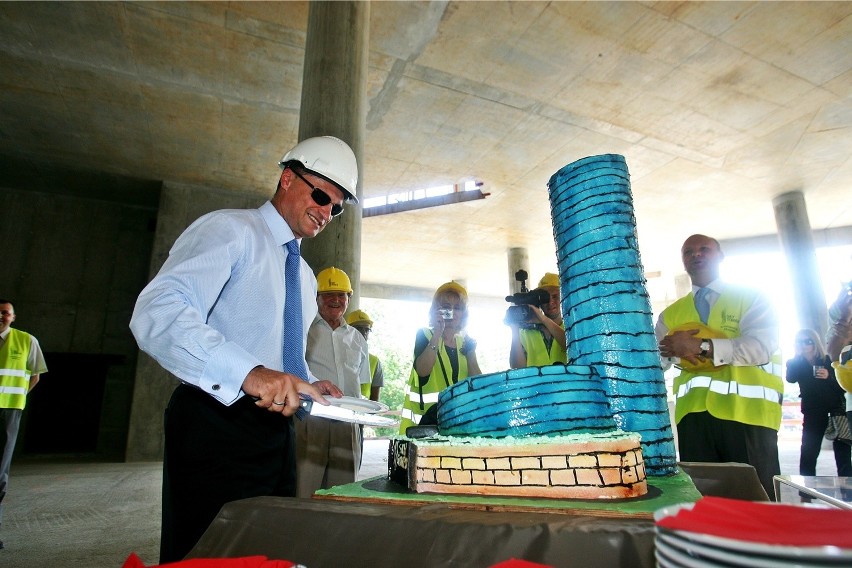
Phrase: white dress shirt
(339,355)
(216,308)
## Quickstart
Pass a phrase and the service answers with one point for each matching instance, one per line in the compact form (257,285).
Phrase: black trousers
(705,438)
(813,432)
(215,454)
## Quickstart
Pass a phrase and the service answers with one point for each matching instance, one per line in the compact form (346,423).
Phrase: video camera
(521,312)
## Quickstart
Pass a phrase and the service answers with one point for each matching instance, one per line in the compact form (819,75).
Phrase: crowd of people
(238,316)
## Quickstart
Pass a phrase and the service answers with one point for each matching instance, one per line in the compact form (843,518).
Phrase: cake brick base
(584,466)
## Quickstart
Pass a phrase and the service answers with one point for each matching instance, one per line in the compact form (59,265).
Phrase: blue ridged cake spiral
(534,401)
(605,304)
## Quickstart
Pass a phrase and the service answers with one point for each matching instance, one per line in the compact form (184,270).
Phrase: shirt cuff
(225,372)
(723,351)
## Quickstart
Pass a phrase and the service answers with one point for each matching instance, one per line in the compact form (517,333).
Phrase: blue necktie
(294,354)
(702,304)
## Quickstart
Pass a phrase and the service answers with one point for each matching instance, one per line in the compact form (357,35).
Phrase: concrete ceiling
(717,106)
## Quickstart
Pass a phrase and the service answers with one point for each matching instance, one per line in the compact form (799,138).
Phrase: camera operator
(540,339)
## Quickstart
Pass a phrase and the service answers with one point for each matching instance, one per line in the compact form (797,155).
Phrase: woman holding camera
(443,354)
(821,397)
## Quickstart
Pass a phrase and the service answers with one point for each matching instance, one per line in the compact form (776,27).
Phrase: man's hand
(329,388)
(279,392)
(684,344)
(538,314)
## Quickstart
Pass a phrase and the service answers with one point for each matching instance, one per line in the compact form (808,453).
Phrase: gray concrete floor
(93,515)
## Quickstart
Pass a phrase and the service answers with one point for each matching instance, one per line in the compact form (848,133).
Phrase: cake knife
(334,412)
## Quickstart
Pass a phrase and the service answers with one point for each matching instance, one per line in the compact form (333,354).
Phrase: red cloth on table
(133,561)
(768,523)
(515,563)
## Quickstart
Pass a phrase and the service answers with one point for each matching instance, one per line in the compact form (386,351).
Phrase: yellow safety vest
(14,375)
(367,387)
(420,399)
(748,395)
(537,354)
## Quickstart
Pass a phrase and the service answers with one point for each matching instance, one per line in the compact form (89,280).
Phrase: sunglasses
(805,341)
(320,197)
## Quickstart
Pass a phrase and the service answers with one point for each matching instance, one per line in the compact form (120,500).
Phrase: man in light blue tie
(228,315)
(727,408)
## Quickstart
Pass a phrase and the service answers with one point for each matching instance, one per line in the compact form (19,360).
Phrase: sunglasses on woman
(805,341)
(320,197)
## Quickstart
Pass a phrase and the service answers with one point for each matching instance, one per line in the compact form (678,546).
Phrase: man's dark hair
(5,301)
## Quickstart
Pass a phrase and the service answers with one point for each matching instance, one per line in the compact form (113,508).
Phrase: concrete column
(794,231)
(334,102)
(519,259)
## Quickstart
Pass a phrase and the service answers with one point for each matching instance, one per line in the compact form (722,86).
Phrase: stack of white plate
(679,548)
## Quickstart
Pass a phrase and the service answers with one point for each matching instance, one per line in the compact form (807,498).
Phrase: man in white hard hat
(328,452)
(541,339)
(228,315)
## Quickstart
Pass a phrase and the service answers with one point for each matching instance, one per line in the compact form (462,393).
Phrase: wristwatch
(705,348)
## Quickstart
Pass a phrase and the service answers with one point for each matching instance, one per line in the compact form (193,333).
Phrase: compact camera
(446,313)
(521,312)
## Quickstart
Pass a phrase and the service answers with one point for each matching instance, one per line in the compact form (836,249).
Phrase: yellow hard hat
(549,280)
(843,371)
(704,332)
(452,286)
(359,317)
(844,375)
(333,280)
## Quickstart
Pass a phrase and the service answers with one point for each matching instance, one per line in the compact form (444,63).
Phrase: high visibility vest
(420,399)
(537,355)
(14,375)
(367,387)
(749,395)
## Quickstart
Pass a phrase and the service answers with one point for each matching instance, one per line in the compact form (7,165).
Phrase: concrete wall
(73,267)
(180,205)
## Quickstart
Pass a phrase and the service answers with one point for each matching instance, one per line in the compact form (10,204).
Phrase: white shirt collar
(715,286)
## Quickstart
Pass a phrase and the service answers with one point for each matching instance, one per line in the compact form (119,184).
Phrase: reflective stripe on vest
(14,375)
(746,394)
(729,387)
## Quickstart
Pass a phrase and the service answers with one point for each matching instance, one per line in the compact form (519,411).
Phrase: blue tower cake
(605,304)
(591,429)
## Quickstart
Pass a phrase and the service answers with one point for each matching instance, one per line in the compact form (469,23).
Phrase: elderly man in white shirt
(328,452)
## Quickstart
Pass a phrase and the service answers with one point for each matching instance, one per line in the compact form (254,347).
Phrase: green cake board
(662,492)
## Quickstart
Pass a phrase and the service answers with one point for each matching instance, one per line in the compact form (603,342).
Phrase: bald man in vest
(727,408)
(21,364)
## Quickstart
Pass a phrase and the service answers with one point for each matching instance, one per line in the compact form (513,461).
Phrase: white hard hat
(330,158)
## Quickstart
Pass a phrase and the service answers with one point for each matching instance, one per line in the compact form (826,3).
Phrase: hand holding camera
(526,302)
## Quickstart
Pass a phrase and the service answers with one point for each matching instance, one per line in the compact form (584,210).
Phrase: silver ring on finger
(279,403)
